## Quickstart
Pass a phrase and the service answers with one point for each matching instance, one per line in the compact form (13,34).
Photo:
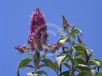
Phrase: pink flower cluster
(38,34)
(38,30)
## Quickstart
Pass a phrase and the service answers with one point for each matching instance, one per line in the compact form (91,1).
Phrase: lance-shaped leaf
(99,74)
(96,62)
(65,73)
(64,37)
(84,73)
(42,72)
(24,63)
(78,60)
(82,67)
(50,64)
(93,72)
(41,66)
(90,72)
(78,46)
(79,39)
(29,74)
(89,52)
(59,59)
(74,32)
(32,74)
(63,40)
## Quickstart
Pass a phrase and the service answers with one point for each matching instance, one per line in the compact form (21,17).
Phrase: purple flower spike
(38,30)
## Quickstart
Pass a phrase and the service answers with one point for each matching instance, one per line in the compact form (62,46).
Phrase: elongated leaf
(89,52)
(23,63)
(96,62)
(99,74)
(29,74)
(79,39)
(40,66)
(42,72)
(78,60)
(50,64)
(74,32)
(32,74)
(78,46)
(65,73)
(63,40)
(60,58)
(82,67)
(93,72)
(84,73)
(29,66)
(63,29)
(44,56)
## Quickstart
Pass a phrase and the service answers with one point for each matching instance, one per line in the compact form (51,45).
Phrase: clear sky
(14,26)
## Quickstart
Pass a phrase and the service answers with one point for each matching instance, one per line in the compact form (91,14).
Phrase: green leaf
(84,73)
(65,73)
(29,74)
(78,46)
(74,32)
(24,63)
(44,56)
(82,67)
(60,59)
(40,66)
(30,66)
(99,74)
(63,29)
(93,72)
(50,64)
(42,72)
(96,62)
(63,40)
(81,53)
(89,52)
(78,60)
(79,39)
(32,74)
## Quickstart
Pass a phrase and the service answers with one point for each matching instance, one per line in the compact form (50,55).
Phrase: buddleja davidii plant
(36,40)
(75,55)
(78,58)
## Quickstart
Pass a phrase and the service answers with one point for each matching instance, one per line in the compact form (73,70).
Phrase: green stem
(71,55)
(36,59)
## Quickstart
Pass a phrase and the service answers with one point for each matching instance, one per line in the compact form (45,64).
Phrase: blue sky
(14,25)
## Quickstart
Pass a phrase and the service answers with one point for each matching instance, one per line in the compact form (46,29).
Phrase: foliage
(75,55)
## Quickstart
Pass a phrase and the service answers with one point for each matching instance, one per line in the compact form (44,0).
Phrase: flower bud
(21,49)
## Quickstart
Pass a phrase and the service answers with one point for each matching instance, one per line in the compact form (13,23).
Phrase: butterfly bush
(75,57)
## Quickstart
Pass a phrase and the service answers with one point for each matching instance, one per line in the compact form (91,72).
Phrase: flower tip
(37,9)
